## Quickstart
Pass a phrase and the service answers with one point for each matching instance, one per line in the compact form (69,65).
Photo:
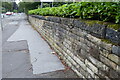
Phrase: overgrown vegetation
(103,11)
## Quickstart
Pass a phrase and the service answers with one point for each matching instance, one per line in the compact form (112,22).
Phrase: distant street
(25,54)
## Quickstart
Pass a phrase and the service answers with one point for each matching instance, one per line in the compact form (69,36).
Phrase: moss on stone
(114,26)
(92,22)
(109,25)
(108,41)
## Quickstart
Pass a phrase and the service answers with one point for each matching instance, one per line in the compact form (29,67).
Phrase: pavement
(26,55)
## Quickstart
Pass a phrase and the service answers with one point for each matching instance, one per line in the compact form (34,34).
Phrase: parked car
(9,13)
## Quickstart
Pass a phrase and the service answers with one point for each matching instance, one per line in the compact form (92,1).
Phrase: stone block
(113,74)
(113,36)
(67,21)
(91,73)
(81,63)
(39,17)
(54,19)
(83,54)
(82,33)
(116,50)
(93,39)
(103,74)
(77,72)
(84,73)
(97,30)
(108,62)
(104,52)
(95,52)
(114,58)
(97,63)
(118,69)
(72,61)
(91,66)
(79,24)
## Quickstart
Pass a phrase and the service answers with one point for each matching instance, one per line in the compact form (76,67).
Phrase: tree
(7,6)
(25,6)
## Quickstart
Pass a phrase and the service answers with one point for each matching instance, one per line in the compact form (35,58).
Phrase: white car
(9,13)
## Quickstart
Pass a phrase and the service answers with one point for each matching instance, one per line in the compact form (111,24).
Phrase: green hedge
(103,11)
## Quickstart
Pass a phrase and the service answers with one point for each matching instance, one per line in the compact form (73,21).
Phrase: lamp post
(41,5)
(52,3)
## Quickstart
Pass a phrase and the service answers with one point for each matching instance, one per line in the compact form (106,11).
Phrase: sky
(17,1)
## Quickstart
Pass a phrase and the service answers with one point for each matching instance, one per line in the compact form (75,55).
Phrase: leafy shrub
(103,11)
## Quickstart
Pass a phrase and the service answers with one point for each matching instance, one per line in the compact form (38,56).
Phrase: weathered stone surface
(84,73)
(91,66)
(91,73)
(97,30)
(104,52)
(116,50)
(83,54)
(81,63)
(106,46)
(93,39)
(54,19)
(118,69)
(77,43)
(97,63)
(113,74)
(39,17)
(103,73)
(114,58)
(79,24)
(95,52)
(108,62)
(113,35)
(68,22)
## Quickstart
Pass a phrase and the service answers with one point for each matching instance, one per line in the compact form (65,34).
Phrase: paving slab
(17,65)
(15,46)
(16,61)
(41,59)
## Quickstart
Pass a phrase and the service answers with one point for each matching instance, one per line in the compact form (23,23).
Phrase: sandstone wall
(91,50)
